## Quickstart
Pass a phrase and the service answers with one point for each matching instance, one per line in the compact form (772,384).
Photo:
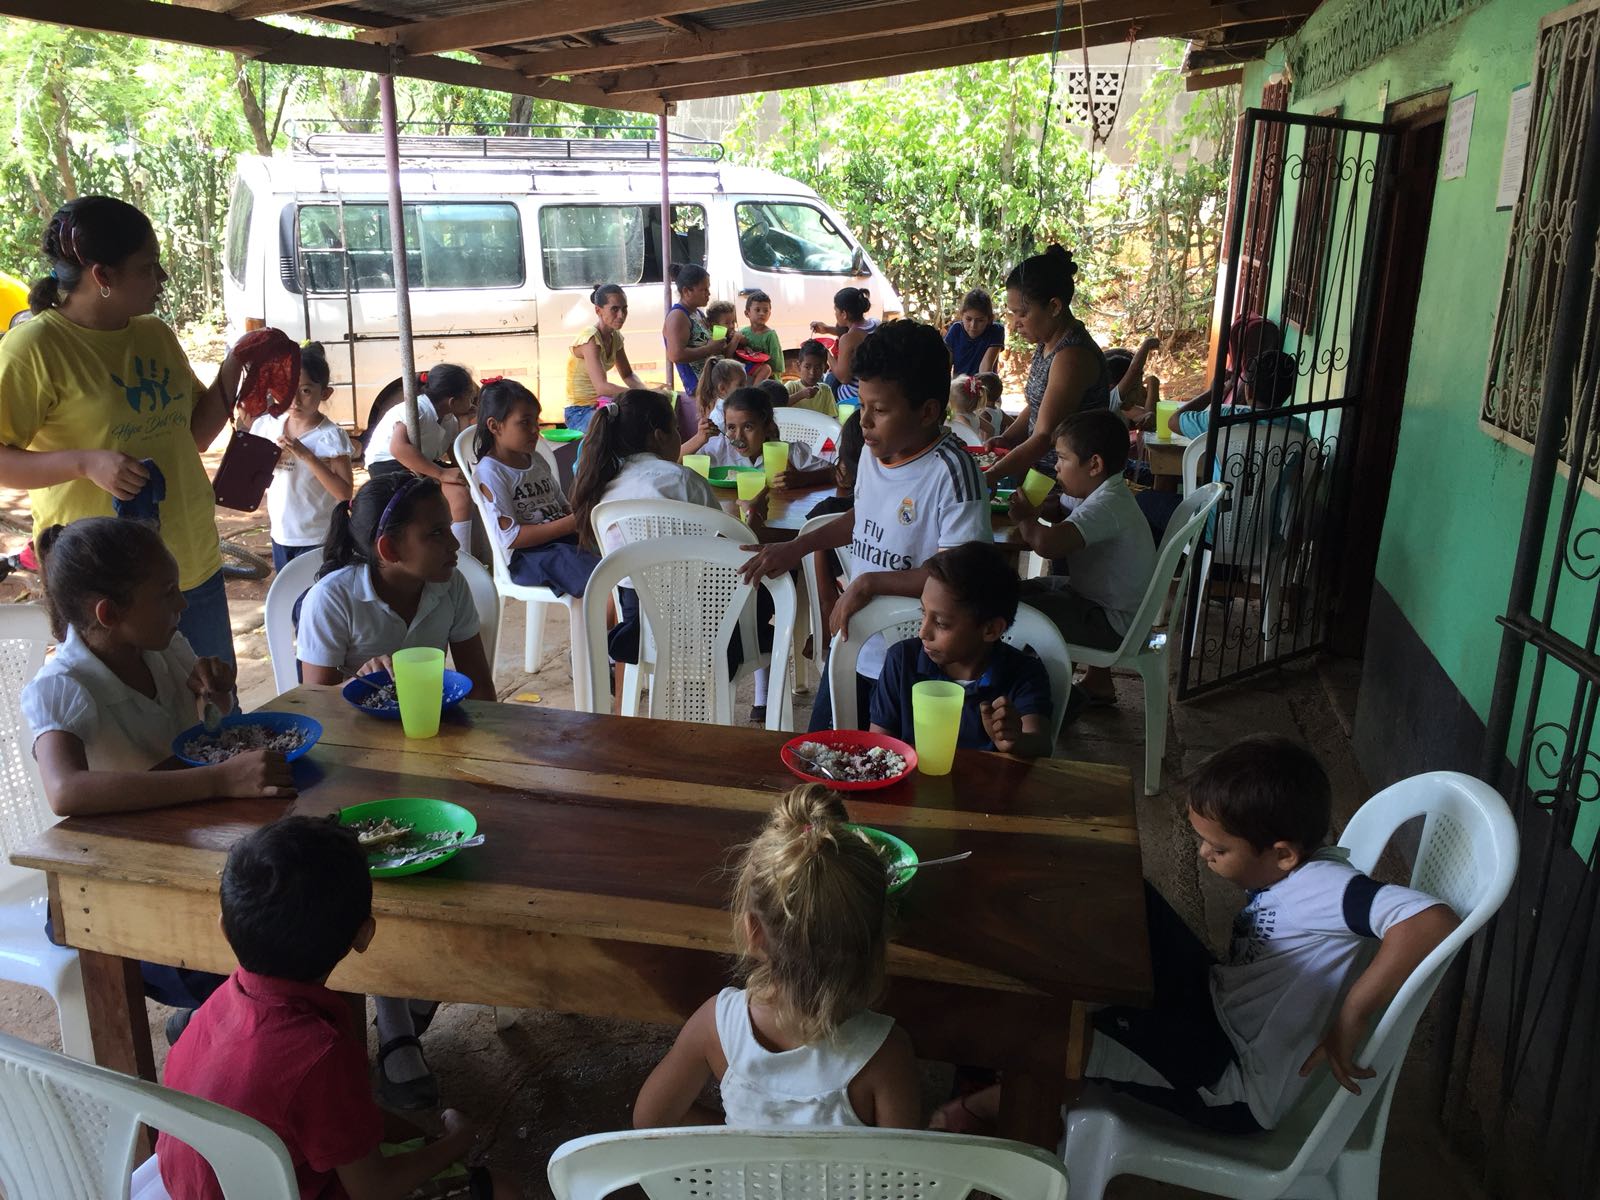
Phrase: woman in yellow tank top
(98,403)
(594,353)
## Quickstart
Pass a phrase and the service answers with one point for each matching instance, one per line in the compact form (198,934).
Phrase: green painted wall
(1456,505)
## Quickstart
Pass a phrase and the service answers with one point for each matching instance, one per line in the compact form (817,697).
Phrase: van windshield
(792,237)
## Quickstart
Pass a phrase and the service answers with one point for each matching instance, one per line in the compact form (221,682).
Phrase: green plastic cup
(774,460)
(751,482)
(700,464)
(936,721)
(845,410)
(1164,411)
(718,332)
(1036,486)
(419,686)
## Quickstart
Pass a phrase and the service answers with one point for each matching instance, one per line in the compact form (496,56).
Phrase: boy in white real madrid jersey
(918,491)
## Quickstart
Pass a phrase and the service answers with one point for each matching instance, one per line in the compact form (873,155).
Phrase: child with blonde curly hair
(798,1044)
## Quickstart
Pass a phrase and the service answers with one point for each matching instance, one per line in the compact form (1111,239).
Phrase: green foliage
(943,176)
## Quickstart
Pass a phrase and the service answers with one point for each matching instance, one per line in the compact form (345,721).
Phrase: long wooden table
(601,888)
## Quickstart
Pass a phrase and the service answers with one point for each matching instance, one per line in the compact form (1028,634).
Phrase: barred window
(1537,255)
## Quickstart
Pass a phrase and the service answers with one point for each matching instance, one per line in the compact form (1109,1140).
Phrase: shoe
(414,1095)
(758,714)
(177,1023)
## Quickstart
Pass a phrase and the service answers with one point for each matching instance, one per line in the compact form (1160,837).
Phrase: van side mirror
(858,264)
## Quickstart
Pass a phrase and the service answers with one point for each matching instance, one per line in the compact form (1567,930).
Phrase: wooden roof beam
(751,68)
(531,19)
(886,20)
(1213,79)
(268,43)
(247,9)
(905,64)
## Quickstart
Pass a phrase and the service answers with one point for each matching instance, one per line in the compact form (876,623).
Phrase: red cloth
(284,1053)
(271,372)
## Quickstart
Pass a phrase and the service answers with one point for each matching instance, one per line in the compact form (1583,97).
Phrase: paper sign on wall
(1516,148)
(1459,137)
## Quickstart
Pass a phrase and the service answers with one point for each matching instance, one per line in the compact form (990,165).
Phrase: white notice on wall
(1516,148)
(1459,137)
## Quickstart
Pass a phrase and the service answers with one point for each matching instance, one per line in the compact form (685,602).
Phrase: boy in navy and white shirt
(1316,955)
(917,491)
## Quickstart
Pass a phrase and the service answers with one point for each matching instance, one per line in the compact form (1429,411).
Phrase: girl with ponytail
(98,403)
(798,1044)
(595,352)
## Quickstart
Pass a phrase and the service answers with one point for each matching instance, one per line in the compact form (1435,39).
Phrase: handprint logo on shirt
(148,385)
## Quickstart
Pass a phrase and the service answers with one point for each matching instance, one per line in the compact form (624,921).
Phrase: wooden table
(600,890)
(787,513)
(1166,459)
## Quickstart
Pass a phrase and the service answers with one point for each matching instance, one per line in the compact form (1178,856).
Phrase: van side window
(582,244)
(791,237)
(448,245)
(238,235)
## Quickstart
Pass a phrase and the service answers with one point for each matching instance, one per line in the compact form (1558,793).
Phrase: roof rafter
(905,64)
(532,19)
(860,49)
(246,9)
(268,43)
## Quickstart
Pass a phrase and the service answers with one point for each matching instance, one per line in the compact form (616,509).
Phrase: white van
(506,236)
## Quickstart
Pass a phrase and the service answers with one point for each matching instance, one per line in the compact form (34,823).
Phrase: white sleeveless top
(804,1086)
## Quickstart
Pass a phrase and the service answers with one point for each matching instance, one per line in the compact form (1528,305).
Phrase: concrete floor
(552,1077)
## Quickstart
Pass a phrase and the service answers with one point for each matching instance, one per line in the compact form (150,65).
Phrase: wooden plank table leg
(118,1027)
(1077,1040)
(1030,1106)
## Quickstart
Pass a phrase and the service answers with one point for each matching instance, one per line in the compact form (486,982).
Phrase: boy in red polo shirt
(275,1044)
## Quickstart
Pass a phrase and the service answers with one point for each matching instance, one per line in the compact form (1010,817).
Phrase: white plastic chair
(1330,1144)
(804,425)
(816,622)
(644,520)
(863,1164)
(900,617)
(539,600)
(691,596)
(486,599)
(26,955)
(1146,646)
(67,1132)
(288,585)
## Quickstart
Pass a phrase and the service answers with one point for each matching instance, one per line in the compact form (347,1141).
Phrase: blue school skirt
(562,566)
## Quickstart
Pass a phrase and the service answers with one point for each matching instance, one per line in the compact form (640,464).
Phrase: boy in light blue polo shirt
(968,603)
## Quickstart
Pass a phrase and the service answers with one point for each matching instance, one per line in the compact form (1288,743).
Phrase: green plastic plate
(425,817)
(724,476)
(1001,501)
(561,435)
(897,856)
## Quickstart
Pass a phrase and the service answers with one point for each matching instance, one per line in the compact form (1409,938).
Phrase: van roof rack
(546,143)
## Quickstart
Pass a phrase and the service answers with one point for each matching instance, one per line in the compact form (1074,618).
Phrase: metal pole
(397,241)
(666,233)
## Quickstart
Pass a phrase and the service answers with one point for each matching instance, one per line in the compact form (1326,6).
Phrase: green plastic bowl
(426,816)
(1001,500)
(561,435)
(725,476)
(897,856)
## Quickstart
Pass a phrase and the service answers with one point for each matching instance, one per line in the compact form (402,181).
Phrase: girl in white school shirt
(389,581)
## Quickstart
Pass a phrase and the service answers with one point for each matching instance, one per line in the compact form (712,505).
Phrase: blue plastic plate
(276,721)
(456,688)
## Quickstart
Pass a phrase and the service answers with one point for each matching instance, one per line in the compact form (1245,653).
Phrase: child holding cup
(1103,547)
(750,438)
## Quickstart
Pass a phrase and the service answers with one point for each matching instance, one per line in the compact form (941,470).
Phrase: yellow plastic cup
(936,723)
(774,459)
(845,410)
(419,686)
(1164,411)
(1036,486)
(751,482)
(718,332)
(700,464)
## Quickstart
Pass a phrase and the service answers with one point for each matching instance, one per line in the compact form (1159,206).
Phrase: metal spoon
(907,869)
(814,765)
(211,716)
(430,851)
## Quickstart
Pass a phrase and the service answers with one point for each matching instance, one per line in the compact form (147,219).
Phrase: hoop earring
(105,292)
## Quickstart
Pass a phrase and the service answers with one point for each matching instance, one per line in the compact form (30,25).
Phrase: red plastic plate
(852,738)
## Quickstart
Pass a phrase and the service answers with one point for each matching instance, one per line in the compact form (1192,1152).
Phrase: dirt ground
(552,1076)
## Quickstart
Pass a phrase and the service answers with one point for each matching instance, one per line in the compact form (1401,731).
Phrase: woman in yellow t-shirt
(95,391)
(595,352)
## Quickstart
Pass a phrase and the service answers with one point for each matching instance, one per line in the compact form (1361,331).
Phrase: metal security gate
(1297,302)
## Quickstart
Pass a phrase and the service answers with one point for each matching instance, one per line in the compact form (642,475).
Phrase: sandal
(413,1095)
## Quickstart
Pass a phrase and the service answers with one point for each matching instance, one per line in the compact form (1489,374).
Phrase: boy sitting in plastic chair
(1231,1046)
(274,1043)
